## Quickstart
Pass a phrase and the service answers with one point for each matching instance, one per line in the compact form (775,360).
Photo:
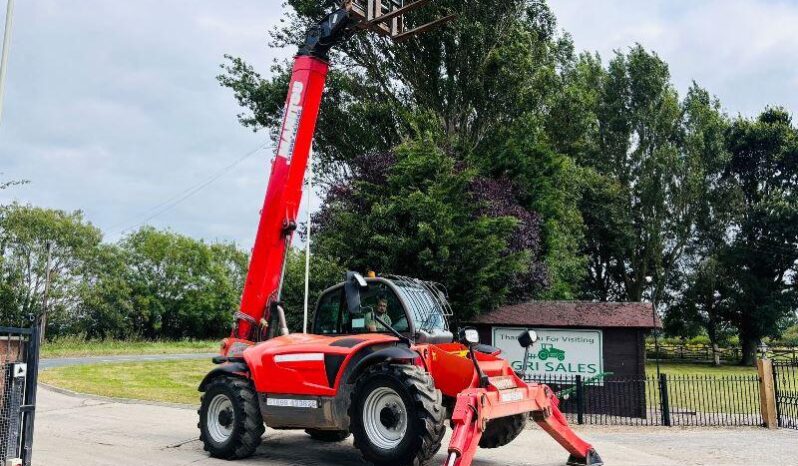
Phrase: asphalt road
(60,362)
(74,430)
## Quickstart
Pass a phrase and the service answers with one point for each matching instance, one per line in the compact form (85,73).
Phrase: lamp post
(4,57)
(649,280)
(763,350)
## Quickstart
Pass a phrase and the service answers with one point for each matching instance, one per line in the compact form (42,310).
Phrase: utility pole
(4,58)
(46,299)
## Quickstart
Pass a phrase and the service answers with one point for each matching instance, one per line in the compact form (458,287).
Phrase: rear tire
(328,435)
(499,432)
(230,422)
(397,416)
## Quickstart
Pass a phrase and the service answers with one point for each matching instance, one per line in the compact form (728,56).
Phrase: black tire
(328,435)
(499,432)
(242,416)
(424,416)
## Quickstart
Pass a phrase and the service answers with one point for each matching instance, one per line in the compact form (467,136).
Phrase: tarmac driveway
(72,430)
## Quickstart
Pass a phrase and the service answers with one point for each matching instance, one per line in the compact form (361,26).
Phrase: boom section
(283,194)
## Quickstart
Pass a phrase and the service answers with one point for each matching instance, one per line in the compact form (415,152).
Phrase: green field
(704,388)
(698,369)
(77,347)
(170,381)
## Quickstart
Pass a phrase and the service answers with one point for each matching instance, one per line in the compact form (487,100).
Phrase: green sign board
(558,352)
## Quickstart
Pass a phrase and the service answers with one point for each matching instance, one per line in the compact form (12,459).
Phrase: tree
(762,251)
(25,232)
(465,79)
(701,299)
(105,308)
(324,273)
(179,287)
(639,187)
(485,83)
(8,184)
(702,305)
(416,212)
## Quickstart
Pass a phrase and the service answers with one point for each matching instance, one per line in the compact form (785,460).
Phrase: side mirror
(352,286)
(469,335)
(528,338)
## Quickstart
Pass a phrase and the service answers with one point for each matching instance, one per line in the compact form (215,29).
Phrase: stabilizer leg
(476,406)
(554,423)
(592,458)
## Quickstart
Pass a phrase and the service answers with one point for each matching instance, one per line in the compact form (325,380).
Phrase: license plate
(509,396)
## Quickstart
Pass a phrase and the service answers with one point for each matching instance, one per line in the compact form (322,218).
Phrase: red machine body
(295,364)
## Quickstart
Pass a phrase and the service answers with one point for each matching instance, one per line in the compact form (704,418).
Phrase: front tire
(397,416)
(230,422)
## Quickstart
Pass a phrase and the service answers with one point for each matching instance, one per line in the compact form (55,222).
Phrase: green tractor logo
(547,351)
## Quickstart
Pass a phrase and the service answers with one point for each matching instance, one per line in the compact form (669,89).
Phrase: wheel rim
(385,418)
(220,419)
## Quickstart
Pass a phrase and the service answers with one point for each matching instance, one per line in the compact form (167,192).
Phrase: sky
(113,107)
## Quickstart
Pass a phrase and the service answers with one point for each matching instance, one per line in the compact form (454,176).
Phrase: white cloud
(113,108)
(743,51)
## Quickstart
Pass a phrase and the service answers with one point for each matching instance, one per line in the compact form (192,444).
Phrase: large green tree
(762,250)
(700,298)
(639,184)
(25,232)
(176,286)
(425,216)
(485,83)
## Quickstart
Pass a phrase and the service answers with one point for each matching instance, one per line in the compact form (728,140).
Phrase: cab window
(378,302)
(328,313)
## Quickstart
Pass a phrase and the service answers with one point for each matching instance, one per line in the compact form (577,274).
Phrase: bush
(790,336)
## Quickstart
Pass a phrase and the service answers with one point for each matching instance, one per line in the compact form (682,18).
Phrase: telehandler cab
(380,362)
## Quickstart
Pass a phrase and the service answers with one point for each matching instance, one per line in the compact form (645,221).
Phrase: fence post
(767,393)
(31,383)
(580,400)
(665,406)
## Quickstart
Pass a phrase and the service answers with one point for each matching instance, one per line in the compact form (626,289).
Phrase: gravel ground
(74,430)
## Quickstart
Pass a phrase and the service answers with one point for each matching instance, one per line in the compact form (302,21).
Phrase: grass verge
(169,381)
(78,347)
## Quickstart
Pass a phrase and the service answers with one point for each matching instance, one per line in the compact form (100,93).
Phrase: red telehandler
(380,362)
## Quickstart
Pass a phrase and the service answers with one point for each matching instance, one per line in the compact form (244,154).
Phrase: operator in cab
(372,325)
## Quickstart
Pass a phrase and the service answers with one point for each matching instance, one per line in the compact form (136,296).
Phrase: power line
(187,193)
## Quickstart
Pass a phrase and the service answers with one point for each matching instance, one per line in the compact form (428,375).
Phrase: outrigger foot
(592,459)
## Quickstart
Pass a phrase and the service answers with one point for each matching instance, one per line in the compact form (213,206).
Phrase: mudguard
(394,353)
(233,369)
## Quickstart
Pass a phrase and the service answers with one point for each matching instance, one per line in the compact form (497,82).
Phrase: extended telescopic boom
(284,192)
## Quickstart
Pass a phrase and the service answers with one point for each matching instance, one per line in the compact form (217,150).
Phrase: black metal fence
(785,385)
(667,400)
(19,361)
